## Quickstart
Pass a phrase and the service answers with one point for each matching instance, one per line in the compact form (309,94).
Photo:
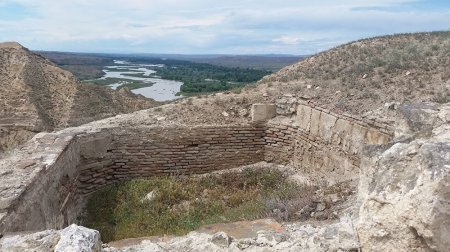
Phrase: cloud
(287,40)
(204,26)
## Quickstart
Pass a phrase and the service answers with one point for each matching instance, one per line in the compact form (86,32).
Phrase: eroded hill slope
(364,75)
(36,95)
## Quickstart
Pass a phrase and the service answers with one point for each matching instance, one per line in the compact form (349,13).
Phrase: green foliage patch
(201,77)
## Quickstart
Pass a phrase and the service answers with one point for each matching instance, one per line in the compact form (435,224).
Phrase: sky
(212,27)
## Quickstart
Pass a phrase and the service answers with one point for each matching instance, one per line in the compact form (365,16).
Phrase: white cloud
(287,40)
(205,26)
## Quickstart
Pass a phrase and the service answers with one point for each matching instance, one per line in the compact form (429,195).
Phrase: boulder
(404,188)
(76,239)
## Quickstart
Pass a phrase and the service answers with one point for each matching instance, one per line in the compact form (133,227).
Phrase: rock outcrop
(405,186)
(71,239)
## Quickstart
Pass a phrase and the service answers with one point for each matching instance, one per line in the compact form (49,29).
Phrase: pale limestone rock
(263,112)
(78,239)
(326,126)
(339,236)
(149,197)
(419,118)
(405,189)
(358,138)
(221,239)
(243,112)
(35,242)
(304,117)
(315,122)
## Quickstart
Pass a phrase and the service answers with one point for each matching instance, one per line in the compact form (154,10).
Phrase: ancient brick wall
(140,153)
(38,183)
(48,189)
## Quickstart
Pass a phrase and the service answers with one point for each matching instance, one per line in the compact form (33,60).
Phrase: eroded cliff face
(404,187)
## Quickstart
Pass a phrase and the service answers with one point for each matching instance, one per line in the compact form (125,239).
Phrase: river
(161,90)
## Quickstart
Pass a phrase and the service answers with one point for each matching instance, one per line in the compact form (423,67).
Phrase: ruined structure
(45,182)
(328,131)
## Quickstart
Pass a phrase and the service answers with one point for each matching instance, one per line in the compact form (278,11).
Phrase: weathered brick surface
(134,153)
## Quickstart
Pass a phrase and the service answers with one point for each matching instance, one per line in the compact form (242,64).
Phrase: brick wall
(49,189)
(138,153)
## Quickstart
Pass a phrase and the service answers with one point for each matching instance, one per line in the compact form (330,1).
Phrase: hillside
(364,75)
(36,95)
(359,78)
(84,66)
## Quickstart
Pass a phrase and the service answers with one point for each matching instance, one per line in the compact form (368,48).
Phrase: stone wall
(45,182)
(325,147)
(140,153)
(36,185)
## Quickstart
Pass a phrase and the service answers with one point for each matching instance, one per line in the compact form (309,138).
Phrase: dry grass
(402,68)
(180,205)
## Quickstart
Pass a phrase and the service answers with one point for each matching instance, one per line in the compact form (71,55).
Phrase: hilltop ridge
(362,76)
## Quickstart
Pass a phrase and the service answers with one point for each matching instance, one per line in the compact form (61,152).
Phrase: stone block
(376,137)
(326,126)
(263,112)
(315,122)
(342,134)
(95,148)
(358,138)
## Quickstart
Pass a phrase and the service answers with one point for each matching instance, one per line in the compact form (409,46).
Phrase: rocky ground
(362,76)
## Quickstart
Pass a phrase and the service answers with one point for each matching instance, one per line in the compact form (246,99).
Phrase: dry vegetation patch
(177,205)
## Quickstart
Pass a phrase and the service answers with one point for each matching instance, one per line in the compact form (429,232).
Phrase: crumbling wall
(44,184)
(36,186)
(139,153)
(64,167)
(324,146)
